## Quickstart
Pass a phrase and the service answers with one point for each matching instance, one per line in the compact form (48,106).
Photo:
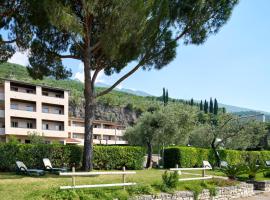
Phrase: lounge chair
(48,166)
(22,169)
(223,163)
(206,164)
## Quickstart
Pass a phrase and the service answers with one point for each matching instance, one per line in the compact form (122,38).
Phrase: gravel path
(262,196)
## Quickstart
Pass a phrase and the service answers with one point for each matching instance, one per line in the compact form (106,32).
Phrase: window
(14,124)
(14,106)
(27,141)
(29,125)
(60,112)
(58,95)
(30,108)
(45,126)
(59,127)
(45,109)
(45,93)
(14,89)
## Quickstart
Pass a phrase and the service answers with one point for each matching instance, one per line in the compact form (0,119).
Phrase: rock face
(122,115)
(222,193)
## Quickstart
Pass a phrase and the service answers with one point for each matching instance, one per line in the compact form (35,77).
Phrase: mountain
(135,100)
(130,91)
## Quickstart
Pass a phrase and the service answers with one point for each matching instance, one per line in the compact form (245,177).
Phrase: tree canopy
(108,35)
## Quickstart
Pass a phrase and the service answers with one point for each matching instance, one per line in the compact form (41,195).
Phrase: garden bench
(74,174)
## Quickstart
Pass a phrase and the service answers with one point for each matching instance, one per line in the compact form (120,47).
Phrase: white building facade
(27,108)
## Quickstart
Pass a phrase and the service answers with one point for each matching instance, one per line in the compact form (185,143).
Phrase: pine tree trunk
(90,104)
(149,155)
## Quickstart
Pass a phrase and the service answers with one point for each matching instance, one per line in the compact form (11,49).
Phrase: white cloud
(80,75)
(20,58)
(120,86)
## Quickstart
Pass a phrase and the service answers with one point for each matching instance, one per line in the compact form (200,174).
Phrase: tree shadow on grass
(14,175)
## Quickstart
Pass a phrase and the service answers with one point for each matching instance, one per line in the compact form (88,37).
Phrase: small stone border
(222,193)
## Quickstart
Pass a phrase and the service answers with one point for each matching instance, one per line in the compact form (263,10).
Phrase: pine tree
(211,106)
(191,102)
(205,107)
(201,106)
(215,107)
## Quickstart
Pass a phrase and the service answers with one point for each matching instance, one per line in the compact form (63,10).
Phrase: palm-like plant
(252,168)
(232,171)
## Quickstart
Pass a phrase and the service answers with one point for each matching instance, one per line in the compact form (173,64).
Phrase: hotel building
(27,108)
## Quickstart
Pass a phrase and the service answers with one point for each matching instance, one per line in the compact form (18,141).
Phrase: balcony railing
(2,131)
(2,96)
(2,113)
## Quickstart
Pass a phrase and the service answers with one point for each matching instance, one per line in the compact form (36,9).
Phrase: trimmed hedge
(193,157)
(115,157)
(105,157)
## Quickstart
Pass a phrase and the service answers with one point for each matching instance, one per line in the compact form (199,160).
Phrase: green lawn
(18,187)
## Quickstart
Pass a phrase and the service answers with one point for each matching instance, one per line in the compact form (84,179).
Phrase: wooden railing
(203,177)
(74,174)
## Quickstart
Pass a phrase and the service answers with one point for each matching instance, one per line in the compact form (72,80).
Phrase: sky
(232,66)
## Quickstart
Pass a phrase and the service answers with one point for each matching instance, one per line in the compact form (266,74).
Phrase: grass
(18,187)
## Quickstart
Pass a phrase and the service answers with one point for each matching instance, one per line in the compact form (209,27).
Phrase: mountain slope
(137,101)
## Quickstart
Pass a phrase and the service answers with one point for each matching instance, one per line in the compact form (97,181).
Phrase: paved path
(262,196)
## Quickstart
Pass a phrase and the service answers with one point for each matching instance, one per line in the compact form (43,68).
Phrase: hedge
(105,157)
(193,157)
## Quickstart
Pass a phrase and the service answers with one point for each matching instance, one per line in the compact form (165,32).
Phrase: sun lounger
(223,163)
(22,169)
(48,167)
(206,164)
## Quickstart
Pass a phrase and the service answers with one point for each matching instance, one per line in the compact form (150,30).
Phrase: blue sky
(232,66)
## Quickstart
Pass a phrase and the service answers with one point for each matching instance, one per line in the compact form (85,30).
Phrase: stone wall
(222,193)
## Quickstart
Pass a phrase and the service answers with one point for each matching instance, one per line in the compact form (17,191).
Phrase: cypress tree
(205,106)
(211,106)
(201,106)
(224,110)
(167,96)
(191,102)
(164,96)
(215,107)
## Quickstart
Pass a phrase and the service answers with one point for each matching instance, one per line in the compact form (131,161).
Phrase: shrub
(232,171)
(170,180)
(105,157)
(140,189)
(252,169)
(266,174)
(116,157)
(193,157)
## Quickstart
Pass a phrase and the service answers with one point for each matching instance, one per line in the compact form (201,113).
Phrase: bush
(116,157)
(232,171)
(266,174)
(105,157)
(185,156)
(170,180)
(193,157)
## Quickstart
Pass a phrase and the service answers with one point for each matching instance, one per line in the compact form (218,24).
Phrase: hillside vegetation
(113,99)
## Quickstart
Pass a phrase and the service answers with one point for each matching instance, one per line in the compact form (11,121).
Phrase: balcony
(2,131)
(2,96)
(55,133)
(2,113)
(106,131)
